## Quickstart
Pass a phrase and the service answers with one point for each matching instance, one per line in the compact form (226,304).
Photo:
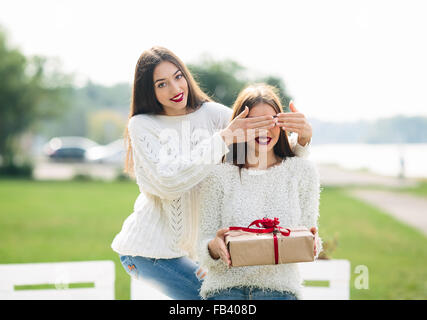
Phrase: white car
(113,153)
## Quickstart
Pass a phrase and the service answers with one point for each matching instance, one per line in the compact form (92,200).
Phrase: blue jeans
(246,293)
(175,278)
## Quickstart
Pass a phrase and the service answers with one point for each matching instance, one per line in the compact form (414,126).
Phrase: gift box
(269,244)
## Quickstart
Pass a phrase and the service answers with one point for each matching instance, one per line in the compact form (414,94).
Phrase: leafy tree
(278,83)
(30,89)
(223,80)
(85,102)
(219,79)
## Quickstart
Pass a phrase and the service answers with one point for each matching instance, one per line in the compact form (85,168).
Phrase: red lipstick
(178,98)
(264,141)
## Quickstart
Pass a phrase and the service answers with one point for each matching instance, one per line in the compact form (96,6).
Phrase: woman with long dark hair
(175,136)
(269,181)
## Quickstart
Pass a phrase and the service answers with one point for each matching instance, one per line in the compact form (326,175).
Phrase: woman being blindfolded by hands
(169,156)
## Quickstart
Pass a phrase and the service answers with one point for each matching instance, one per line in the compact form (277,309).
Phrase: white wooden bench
(95,278)
(335,272)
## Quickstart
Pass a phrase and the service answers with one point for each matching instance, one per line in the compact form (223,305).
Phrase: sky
(340,60)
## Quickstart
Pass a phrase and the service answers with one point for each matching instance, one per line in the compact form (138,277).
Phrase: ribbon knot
(266,223)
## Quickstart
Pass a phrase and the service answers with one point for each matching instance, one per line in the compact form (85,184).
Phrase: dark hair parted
(143,98)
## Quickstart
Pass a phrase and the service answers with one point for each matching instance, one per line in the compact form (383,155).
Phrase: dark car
(68,148)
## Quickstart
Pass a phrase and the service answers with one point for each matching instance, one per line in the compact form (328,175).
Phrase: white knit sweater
(289,191)
(172,154)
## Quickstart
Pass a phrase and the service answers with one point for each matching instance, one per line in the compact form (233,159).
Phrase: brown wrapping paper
(252,249)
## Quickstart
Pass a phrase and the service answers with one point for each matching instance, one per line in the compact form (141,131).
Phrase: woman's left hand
(295,121)
(314,232)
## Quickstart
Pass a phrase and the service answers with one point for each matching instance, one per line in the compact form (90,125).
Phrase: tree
(223,80)
(106,125)
(278,83)
(84,103)
(30,89)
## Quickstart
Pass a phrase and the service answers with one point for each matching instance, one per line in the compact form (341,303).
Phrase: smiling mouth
(178,97)
(263,140)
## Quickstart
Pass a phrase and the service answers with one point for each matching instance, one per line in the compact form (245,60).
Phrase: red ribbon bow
(267,226)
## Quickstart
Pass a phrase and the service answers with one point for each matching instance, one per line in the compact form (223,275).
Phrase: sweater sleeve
(162,168)
(299,150)
(225,117)
(211,206)
(309,194)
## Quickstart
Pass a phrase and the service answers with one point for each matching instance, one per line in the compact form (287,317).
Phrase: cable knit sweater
(289,191)
(172,154)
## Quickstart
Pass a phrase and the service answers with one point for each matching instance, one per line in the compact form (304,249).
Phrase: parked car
(68,148)
(113,153)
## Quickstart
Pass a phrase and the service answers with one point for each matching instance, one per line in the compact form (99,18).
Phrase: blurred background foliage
(37,99)
(31,89)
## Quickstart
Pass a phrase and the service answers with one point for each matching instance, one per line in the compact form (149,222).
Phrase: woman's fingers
(221,232)
(244,113)
(222,248)
(288,115)
(291,126)
(294,128)
(296,120)
(313,230)
(261,124)
(260,118)
(226,260)
(292,106)
(224,254)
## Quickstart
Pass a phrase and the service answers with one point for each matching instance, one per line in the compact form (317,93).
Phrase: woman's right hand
(242,129)
(217,247)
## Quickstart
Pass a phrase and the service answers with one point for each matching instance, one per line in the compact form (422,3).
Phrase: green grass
(395,254)
(54,287)
(76,221)
(419,190)
(316,283)
(64,221)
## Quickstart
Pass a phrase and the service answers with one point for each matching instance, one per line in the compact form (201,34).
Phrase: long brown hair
(250,97)
(143,98)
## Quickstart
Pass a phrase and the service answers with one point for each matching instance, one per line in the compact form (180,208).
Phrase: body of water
(383,159)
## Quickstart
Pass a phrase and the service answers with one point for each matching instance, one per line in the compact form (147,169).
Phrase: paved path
(331,175)
(409,209)
(45,170)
